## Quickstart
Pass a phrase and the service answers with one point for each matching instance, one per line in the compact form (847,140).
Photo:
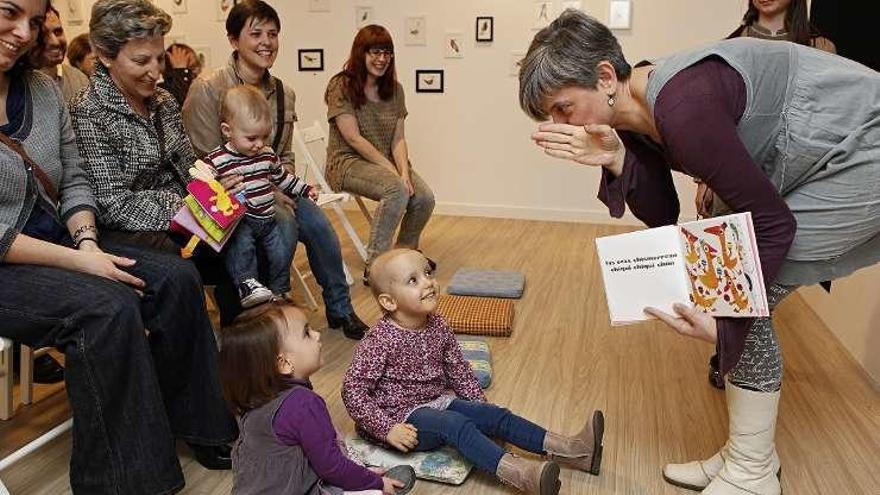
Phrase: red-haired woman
(367,152)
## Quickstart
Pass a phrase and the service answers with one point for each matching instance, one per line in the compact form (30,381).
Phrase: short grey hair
(116,22)
(566,53)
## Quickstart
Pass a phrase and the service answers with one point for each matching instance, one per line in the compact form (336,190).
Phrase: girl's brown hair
(249,350)
(354,72)
(797,23)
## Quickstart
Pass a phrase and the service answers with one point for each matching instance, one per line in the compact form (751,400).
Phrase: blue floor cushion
(445,465)
(487,283)
(476,352)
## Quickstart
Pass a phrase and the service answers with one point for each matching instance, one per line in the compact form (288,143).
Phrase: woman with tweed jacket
(131,391)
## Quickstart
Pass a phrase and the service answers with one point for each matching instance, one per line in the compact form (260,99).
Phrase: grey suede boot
(582,451)
(529,476)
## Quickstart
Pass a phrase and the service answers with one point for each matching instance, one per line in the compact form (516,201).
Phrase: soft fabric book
(711,264)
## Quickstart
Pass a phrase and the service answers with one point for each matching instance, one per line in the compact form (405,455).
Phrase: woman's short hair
(248,359)
(259,10)
(245,101)
(78,49)
(567,53)
(116,22)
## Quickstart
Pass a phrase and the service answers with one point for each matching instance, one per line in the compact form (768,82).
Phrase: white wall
(852,312)
(472,142)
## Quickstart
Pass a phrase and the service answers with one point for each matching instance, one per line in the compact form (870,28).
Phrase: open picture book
(711,264)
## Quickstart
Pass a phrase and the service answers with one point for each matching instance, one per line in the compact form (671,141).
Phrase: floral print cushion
(445,465)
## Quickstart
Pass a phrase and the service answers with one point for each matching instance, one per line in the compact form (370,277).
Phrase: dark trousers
(467,426)
(130,395)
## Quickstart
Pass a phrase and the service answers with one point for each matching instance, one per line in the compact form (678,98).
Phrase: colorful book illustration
(711,264)
(209,213)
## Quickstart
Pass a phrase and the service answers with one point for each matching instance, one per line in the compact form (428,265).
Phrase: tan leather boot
(582,451)
(529,476)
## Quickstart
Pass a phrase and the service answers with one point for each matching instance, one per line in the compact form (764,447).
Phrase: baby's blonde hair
(244,101)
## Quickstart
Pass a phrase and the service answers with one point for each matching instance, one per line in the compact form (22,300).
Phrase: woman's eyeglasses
(379,52)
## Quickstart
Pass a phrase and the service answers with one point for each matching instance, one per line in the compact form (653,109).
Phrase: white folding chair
(314,173)
(316,135)
(6,405)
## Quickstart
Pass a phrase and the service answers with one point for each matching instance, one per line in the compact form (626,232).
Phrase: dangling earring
(611,100)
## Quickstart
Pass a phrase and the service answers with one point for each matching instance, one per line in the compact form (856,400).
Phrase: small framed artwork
(429,81)
(178,6)
(543,14)
(203,53)
(363,15)
(311,59)
(415,28)
(485,29)
(74,14)
(222,8)
(319,5)
(452,45)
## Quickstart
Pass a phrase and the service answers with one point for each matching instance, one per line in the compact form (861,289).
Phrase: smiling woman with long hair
(367,152)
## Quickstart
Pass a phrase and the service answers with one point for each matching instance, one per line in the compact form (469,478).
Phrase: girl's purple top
(303,419)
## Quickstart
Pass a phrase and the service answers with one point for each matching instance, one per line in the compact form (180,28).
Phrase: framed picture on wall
(222,8)
(414,30)
(319,5)
(74,14)
(485,29)
(203,53)
(429,81)
(178,6)
(452,45)
(311,59)
(543,14)
(363,15)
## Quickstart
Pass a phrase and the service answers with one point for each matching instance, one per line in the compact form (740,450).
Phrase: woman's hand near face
(596,145)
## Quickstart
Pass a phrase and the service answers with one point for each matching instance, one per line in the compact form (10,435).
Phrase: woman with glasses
(367,151)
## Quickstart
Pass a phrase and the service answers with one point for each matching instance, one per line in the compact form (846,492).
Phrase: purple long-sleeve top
(395,370)
(303,419)
(696,114)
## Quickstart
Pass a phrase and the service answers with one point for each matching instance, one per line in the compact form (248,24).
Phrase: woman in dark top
(755,121)
(138,344)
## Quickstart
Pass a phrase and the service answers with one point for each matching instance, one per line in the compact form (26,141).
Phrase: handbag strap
(41,175)
(279,119)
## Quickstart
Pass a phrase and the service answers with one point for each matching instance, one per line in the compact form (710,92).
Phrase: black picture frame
(310,59)
(480,35)
(424,85)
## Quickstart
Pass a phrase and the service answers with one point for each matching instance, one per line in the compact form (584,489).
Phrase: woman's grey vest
(812,123)
(262,464)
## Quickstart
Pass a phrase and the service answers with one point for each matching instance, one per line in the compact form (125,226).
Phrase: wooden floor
(563,360)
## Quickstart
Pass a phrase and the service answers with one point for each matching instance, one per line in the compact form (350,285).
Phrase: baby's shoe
(253,293)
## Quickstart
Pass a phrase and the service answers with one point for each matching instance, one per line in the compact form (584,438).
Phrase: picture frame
(319,5)
(222,8)
(542,14)
(415,29)
(363,15)
(203,53)
(485,29)
(179,6)
(453,45)
(429,81)
(74,14)
(310,59)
